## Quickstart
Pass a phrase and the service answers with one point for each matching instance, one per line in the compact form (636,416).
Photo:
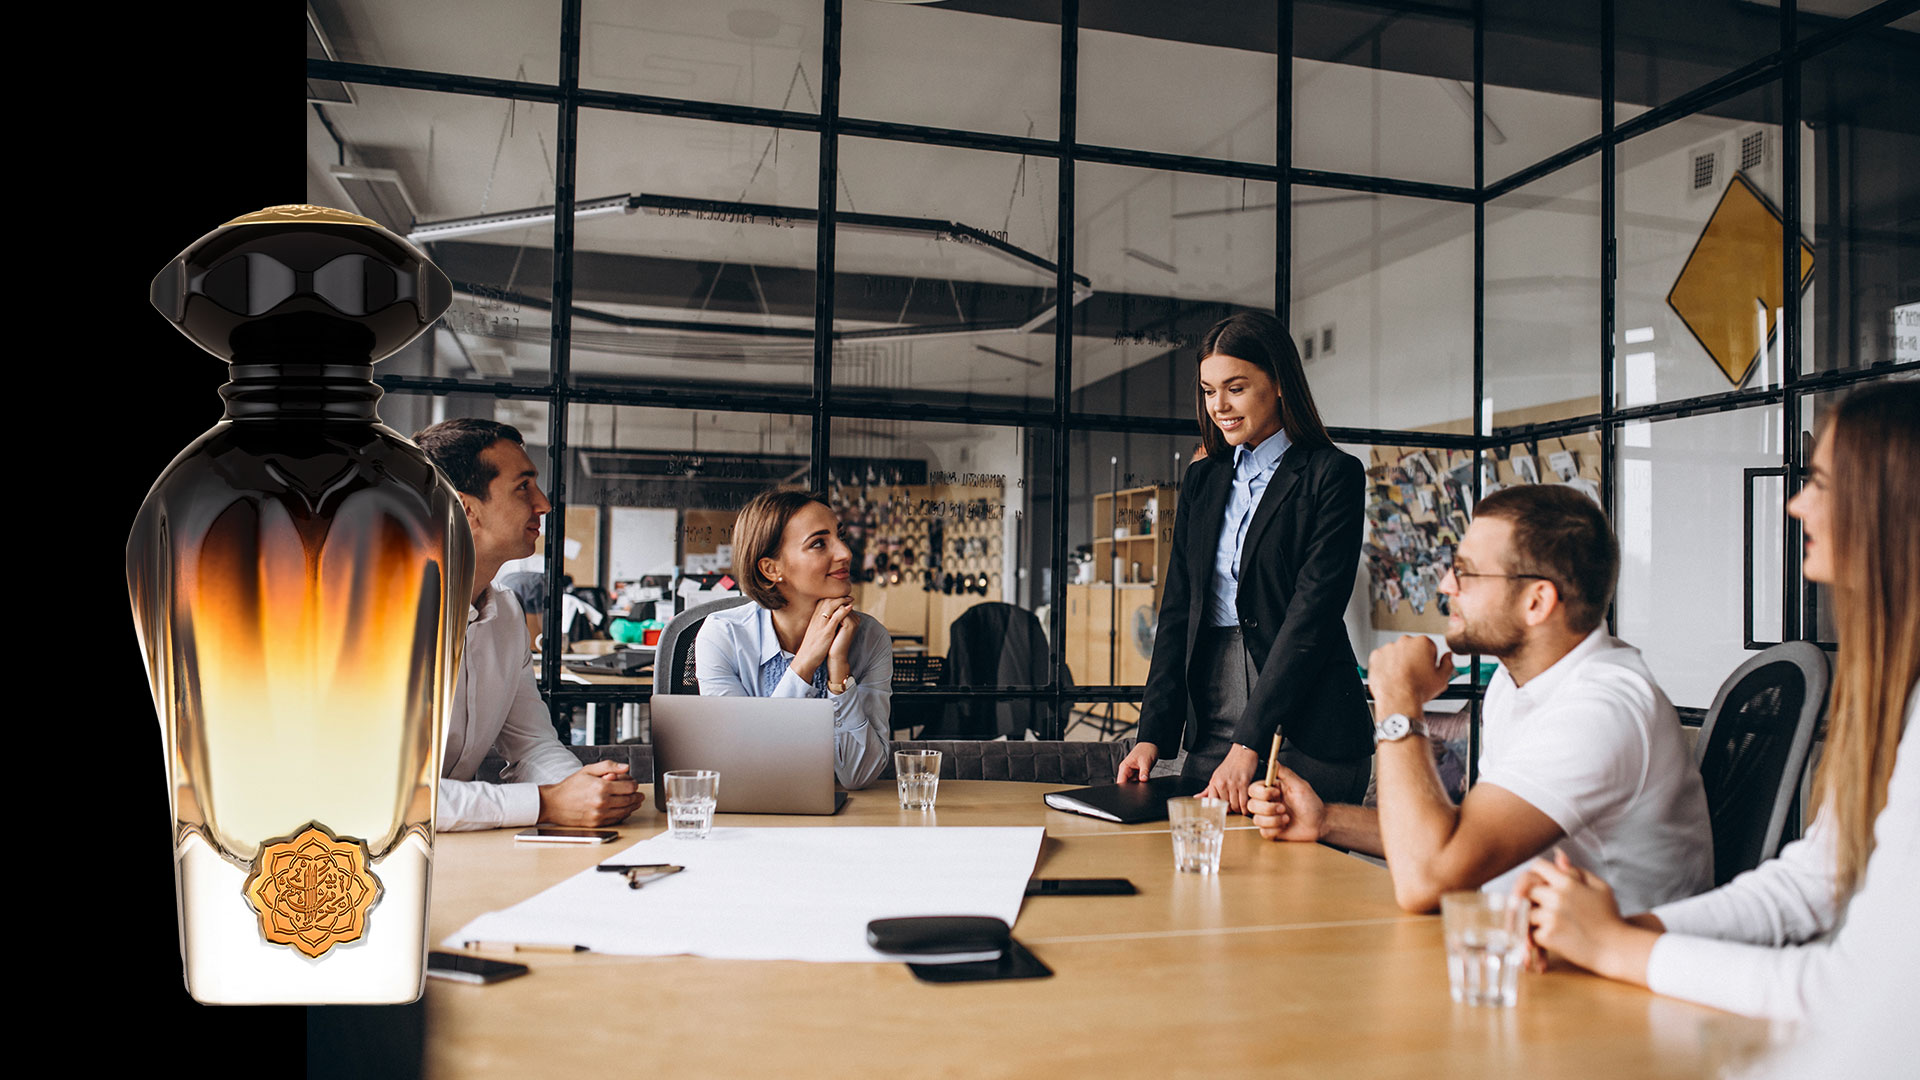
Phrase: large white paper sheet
(775,894)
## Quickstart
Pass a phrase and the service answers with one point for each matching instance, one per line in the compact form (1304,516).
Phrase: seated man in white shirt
(1581,750)
(496,705)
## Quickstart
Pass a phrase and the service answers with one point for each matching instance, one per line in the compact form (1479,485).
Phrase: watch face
(1393,727)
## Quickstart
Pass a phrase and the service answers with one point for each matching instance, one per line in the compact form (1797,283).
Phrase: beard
(1498,637)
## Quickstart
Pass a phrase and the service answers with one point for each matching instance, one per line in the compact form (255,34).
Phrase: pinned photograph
(1588,488)
(1524,468)
(1419,469)
(1563,466)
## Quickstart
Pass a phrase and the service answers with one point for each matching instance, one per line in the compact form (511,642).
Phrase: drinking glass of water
(919,774)
(1198,826)
(1486,945)
(691,794)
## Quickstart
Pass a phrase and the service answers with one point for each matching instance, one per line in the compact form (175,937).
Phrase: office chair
(673,656)
(1753,747)
(1034,761)
(993,644)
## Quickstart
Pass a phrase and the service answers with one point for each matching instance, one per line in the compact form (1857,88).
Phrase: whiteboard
(642,542)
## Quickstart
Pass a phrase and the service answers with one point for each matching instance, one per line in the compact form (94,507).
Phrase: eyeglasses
(1460,576)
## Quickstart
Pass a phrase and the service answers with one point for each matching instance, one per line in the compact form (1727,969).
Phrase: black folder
(1130,803)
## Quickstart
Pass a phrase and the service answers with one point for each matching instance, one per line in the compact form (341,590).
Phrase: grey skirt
(1224,677)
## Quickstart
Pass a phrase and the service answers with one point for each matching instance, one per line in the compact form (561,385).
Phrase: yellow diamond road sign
(1735,264)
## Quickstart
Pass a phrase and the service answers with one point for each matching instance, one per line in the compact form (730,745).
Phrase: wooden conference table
(1293,961)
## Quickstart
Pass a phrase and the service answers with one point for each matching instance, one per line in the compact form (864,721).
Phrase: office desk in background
(1294,961)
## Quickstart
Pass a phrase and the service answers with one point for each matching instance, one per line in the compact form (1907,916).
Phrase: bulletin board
(1420,501)
(707,541)
(582,561)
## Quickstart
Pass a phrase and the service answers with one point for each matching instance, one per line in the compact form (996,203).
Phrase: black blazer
(1297,570)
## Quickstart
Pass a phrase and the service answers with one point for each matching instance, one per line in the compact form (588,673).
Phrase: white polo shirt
(1592,743)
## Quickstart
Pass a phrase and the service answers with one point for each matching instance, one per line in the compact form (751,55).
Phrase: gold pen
(1273,762)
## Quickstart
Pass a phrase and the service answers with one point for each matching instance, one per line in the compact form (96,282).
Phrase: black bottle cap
(302,283)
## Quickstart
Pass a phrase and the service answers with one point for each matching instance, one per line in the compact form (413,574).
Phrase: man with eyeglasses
(1581,751)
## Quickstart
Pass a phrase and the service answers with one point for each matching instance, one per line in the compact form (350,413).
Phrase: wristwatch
(1397,727)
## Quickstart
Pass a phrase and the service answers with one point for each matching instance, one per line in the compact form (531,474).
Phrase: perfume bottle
(299,577)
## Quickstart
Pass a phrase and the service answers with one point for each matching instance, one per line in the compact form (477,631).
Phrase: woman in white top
(801,636)
(1788,938)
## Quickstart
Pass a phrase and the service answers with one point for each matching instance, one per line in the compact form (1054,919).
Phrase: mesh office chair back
(1753,748)
(673,655)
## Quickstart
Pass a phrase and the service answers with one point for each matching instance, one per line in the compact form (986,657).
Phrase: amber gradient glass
(296,576)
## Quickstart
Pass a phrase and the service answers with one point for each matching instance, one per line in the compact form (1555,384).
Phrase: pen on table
(524,946)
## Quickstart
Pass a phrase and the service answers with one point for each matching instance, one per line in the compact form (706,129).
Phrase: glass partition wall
(949,264)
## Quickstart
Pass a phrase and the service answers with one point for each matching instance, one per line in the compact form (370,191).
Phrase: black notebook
(1130,803)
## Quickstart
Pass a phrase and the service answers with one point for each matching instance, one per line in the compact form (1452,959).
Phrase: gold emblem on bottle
(312,890)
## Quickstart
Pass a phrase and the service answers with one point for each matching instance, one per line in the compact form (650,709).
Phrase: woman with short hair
(801,637)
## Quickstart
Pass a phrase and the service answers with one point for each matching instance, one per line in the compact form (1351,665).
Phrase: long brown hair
(1876,546)
(1263,341)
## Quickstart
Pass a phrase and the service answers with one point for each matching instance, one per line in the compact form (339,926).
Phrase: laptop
(774,755)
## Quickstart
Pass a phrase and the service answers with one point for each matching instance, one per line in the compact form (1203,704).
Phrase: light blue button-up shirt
(730,658)
(1252,468)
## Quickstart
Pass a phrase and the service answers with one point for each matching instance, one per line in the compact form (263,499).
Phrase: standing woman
(1265,542)
(1800,933)
(801,637)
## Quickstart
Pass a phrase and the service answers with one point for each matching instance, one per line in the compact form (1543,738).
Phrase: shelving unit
(1137,523)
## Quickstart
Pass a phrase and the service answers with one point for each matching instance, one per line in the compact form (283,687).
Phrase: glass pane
(1663,49)
(1107,721)
(945,286)
(1382,308)
(1680,517)
(1543,299)
(951,526)
(1168,255)
(1542,66)
(1123,492)
(996,72)
(1419,503)
(1861,189)
(409,413)
(1699,292)
(497,39)
(766,55)
(652,495)
(1383,93)
(710,280)
(451,165)
(1169,78)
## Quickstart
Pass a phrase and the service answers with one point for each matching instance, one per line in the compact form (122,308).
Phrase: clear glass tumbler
(1198,827)
(918,772)
(1486,946)
(691,794)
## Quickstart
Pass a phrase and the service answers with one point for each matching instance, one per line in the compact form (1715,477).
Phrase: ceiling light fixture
(427,232)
